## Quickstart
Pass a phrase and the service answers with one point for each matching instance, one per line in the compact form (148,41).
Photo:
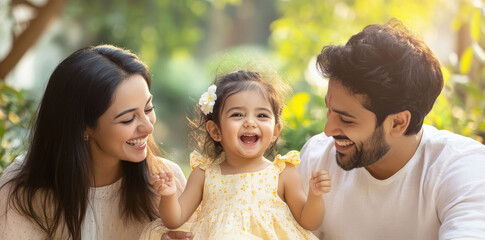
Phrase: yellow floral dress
(246,205)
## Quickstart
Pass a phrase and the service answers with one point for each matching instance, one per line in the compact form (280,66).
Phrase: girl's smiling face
(247,126)
(121,132)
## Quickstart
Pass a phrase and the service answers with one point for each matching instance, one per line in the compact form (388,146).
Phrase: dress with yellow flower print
(246,205)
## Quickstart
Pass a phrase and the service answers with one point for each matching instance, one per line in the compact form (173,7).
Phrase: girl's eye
(236,115)
(129,121)
(263,115)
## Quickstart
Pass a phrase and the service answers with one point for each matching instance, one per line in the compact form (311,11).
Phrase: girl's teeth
(249,138)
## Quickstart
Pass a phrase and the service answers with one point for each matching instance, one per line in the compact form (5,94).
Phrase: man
(392,176)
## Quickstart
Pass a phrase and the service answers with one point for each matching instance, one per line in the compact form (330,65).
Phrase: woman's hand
(164,183)
(177,235)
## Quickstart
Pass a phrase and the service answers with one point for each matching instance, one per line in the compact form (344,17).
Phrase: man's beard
(367,152)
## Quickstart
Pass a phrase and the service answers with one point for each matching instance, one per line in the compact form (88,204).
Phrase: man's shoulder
(445,140)
(447,152)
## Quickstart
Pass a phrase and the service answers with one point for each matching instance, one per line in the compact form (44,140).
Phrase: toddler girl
(241,194)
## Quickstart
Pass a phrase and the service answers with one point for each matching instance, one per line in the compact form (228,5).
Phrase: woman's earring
(86,137)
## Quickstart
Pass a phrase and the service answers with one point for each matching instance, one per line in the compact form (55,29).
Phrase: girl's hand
(163,183)
(320,183)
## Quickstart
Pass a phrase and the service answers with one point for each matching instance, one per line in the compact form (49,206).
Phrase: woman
(85,174)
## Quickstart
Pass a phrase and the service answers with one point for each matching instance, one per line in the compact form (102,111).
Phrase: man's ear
(213,130)
(276,132)
(399,123)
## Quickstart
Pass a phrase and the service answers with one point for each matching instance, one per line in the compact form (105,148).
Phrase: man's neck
(402,150)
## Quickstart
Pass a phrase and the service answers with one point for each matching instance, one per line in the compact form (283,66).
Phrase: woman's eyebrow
(132,109)
(149,99)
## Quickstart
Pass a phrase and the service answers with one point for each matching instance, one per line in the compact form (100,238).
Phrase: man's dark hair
(391,67)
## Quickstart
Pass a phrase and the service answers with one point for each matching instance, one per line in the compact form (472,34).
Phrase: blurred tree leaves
(303,117)
(303,28)
(16,110)
(154,29)
(461,106)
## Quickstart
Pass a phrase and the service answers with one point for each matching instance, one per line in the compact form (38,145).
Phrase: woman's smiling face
(121,132)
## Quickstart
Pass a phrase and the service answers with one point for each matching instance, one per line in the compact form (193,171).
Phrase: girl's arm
(308,210)
(175,212)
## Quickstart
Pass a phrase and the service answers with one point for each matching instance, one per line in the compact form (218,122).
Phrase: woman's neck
(106,172)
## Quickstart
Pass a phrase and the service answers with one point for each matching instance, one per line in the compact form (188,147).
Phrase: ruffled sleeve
(197,160)
(292,157)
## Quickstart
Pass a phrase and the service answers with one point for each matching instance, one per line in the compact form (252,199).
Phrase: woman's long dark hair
(52,187)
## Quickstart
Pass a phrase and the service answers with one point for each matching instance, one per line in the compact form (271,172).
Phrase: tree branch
(25,40)
(14,37)
(24,2)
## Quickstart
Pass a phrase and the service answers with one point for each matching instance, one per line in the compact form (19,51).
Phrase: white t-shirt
(102,221)
(438,194)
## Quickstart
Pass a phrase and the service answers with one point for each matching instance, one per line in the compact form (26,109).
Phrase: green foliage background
(304,28)
(186,42)
(16,112)
(460,108)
